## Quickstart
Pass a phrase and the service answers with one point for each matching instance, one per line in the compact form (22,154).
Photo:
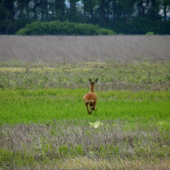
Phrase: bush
(150,33)
(62,28)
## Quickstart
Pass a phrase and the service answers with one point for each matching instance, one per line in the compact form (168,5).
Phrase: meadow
(45,125)
(134,76)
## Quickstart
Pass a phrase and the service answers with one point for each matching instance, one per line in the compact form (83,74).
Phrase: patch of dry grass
(59,146)
(76,49)
(134,76)
(82,163)
(11,69)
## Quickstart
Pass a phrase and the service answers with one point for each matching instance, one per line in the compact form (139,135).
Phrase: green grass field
(48,127)
(42,106)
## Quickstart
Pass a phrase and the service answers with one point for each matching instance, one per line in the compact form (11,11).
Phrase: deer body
(90,98)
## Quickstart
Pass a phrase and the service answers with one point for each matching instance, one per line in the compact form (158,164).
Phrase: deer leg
(90,109)
(94,106)
(87,107)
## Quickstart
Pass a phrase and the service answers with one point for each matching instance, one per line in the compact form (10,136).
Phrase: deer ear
(90,80)
(96,80)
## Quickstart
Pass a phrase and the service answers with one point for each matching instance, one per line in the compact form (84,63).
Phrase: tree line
(121,16)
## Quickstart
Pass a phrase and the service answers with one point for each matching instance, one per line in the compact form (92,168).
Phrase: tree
(7,13)
(102,10)
(141,8)
(125,9)
(72,11)
(59,8)
(166,5)
(35,8)
(88,6)
(154,9)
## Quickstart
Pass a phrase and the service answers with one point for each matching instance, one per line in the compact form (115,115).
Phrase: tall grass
(76,49)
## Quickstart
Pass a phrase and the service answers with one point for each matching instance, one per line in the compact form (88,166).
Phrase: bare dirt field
(75,49)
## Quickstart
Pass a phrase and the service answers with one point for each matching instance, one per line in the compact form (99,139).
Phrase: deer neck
(92,87)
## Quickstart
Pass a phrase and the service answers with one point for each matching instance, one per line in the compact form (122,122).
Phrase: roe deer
(91,98)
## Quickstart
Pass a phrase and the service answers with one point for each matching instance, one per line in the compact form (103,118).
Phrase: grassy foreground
(50,128)
(44,123)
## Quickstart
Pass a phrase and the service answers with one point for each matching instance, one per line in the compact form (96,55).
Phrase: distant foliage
(150,33)
(141,26)
(122,16)
(63,28)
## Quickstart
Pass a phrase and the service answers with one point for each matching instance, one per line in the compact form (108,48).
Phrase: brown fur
(90,98)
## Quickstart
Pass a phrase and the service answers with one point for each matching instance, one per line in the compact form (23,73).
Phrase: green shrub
(62,28)
(150,33)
